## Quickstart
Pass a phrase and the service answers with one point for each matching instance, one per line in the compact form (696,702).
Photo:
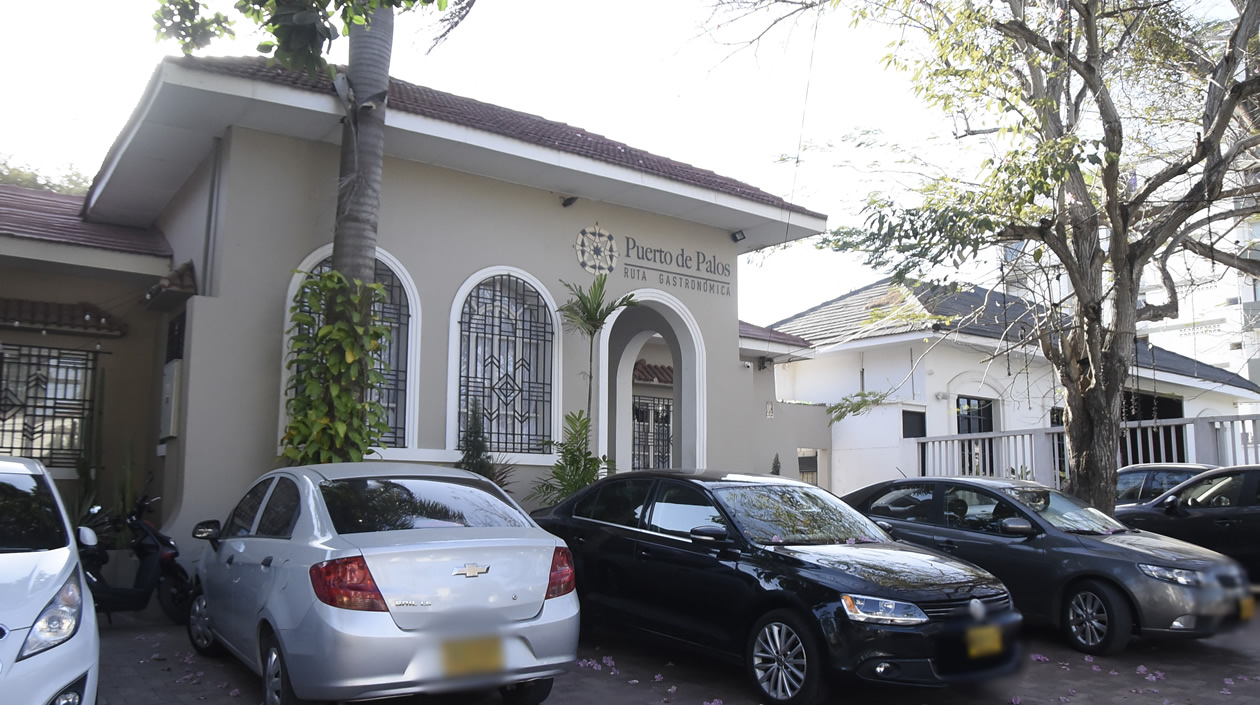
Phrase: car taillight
(347,583)
(561,581)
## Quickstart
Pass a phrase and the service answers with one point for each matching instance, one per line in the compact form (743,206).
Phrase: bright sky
(646,73)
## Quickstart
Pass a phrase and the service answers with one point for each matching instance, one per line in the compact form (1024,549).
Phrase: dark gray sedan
(1065,563)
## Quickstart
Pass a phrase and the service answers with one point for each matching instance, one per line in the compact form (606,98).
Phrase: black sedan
(1066,563)
(1219,509)
(782,577)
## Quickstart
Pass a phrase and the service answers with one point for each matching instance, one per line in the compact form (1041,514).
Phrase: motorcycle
(158,570)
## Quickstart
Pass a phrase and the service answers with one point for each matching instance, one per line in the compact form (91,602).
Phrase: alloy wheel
(779,661)
(273,677)
(1088,618)
(199,623)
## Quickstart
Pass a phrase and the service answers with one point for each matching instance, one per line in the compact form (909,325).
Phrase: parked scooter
(158,570)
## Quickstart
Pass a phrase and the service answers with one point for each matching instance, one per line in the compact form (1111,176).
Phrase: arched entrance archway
(658,314)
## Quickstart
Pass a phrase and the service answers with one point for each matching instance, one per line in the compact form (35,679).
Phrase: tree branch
(1242,264)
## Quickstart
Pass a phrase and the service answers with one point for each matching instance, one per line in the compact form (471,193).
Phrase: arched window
(505,364)
(394,312)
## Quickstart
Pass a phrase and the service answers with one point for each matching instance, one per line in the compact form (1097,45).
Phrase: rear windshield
(29,517)
(363,505)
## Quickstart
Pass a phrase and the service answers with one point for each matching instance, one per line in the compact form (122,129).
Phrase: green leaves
(302,30)
(575,468)
(334,367)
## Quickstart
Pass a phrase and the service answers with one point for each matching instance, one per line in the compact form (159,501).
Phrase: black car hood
(899,570)
(1157,548)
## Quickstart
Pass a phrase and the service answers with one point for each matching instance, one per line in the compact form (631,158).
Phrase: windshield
(363,505)
(1064,512)
(29,517)
(794,515)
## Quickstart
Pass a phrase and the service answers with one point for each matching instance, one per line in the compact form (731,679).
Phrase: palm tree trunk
(590,374)
(363,149)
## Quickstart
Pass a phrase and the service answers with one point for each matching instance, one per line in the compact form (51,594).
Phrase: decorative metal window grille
(395,313)
(505,360)
(653,438)
(46,403)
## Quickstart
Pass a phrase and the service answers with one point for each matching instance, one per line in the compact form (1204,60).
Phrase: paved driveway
(149,662)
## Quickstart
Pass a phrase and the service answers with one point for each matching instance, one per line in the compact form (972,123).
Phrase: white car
(49,647)
(354,581)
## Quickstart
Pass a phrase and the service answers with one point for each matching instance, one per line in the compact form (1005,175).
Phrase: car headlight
(58,622)
(1179,576)
(861,608)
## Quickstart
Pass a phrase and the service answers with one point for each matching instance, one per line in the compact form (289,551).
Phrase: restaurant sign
(598,251)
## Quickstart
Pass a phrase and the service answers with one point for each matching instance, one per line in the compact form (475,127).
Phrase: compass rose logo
(596,250)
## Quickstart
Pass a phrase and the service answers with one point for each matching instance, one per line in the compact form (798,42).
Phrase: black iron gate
(46,402)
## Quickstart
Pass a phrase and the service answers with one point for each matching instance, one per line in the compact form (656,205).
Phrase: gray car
(356,581)
(1065,563)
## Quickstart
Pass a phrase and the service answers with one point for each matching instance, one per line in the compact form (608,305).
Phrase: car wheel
(277,689)
(526,692)
(1097,618)
(199,632)
(785,661)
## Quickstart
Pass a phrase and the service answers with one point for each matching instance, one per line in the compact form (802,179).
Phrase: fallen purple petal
(1015,700)
(1071,691)
(1225,691)
(1040,658)
(596,667)
(1089,659)
(1113,672)
(1159,675)
(672,689)
(658,678)
(234,693)
(1141,670)
(1229,681)
(633,681)
(1097,667)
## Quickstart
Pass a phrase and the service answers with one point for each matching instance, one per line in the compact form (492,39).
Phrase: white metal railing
(1039,454)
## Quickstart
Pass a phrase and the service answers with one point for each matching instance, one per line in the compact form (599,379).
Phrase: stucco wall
(277,206)
(129,363)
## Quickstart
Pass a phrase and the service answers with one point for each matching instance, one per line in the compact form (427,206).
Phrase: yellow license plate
(984,640)
(1247,608)
(466,657)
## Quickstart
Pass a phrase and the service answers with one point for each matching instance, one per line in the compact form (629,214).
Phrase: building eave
(183,110)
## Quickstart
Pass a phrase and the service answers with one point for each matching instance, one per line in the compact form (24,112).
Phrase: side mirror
(87,537)
(1171,503)
(710,533)
(1017,526)
(884,525)
(208,530)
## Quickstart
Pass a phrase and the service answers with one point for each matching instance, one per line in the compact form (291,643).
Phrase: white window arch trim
(411,430)
(452,361)
(691,330)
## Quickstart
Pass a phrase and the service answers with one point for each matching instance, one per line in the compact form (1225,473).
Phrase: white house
(966,395)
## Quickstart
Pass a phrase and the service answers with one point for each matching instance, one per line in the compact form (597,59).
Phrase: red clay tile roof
(748,330)
(54,217)
(467,112)
(662,374)
(75,319)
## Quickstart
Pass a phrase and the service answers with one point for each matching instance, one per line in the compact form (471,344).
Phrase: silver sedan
(356,581)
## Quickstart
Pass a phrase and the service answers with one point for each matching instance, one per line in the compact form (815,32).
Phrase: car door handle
(230,559)
(266,562)
(644,555)
(948,546)
(1226,522)
(579,539)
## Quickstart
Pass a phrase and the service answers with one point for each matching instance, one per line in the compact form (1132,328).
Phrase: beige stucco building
(485,214)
